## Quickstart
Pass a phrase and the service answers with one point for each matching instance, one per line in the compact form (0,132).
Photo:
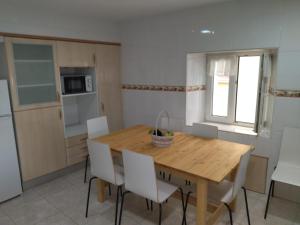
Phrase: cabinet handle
(57,96)
(60,114)
(102,107)
(94,58)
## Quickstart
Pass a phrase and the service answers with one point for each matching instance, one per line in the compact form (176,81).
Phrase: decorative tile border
(285,93)
(196,88)
(143,87)
(148,87)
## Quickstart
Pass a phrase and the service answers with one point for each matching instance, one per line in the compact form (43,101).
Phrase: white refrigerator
(10,180)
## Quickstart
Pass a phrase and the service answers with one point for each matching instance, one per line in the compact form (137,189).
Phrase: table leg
(101,190)
(201,201)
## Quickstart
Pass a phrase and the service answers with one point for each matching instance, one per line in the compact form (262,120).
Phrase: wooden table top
(211,159)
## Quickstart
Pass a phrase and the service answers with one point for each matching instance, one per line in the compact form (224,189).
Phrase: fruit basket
(162,138)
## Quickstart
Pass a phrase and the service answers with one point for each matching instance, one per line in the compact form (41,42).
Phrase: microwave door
(74,85)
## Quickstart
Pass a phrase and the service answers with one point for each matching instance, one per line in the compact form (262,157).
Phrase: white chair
(226,191)
(288,167)
(140,178)
(175,124)
(102,167)
(205,130)
(96,127)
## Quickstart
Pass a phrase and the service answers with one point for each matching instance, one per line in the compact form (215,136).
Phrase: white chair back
(175,124)
(140,177)
(205,130)
(101,161)
(241,174)
(97,127)
(290,147)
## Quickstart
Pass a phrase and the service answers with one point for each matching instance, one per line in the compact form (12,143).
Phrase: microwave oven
(77,84)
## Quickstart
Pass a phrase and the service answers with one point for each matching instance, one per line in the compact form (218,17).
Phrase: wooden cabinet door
(109,84)
(73,54)
(33,73)
(40,138)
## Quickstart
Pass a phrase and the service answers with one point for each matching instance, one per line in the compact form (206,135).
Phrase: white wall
(27,20)
(154,52)
(195,75)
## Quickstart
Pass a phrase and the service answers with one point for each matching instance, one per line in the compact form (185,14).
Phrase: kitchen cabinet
(257,174)
(41,142)
(33,74)
(108,72)
(76,148)
(50,128)
(73,54)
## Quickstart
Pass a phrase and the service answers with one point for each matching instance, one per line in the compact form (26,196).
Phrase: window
(247,89)
(233,88)
(220,91)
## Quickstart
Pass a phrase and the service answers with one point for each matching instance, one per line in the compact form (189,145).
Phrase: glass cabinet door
(34,73)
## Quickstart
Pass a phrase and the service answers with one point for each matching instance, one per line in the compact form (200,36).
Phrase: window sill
(233,128)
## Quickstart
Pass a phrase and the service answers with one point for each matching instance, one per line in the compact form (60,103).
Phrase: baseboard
(46,178)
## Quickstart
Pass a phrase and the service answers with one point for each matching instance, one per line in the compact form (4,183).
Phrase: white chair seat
(222,192)
(119,173)
(165,190)
(287,173)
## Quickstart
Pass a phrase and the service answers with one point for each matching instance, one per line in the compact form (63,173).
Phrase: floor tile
(53,186)
(58,219)
(25,197)
(5,220)
(31,212)
(66,198)
(63,202)
(77,179)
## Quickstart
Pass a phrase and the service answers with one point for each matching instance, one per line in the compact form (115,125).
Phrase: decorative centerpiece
(162,137)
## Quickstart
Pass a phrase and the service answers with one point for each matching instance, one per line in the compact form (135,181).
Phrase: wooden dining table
(199,160)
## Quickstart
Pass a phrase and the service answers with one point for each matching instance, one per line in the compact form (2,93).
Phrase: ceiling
(114,10)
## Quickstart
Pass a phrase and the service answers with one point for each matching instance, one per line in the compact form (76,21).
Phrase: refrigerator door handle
(5,115)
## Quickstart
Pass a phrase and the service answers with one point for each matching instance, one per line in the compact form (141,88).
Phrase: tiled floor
(62,202)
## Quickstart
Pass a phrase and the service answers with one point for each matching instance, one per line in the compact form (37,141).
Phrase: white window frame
(233,87)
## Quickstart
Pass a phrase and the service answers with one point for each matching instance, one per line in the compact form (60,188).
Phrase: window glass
(220,90)
(248,77)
